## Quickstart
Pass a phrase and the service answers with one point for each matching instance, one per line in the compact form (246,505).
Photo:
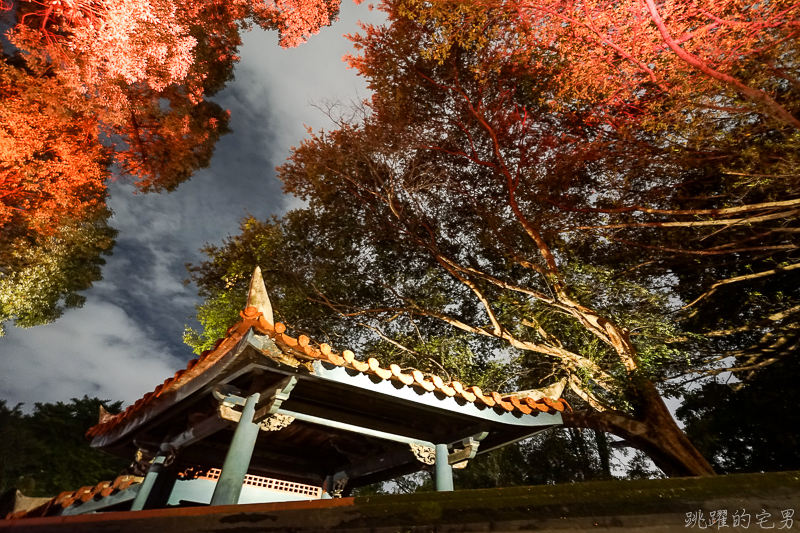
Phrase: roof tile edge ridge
(193,368)
(300,348)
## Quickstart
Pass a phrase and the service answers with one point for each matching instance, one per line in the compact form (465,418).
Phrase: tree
(42,275)
(423,218)
(747,427)
(94,44)
(53,217)
(53,165)
(553,457)
(296,20)
(134,72)
(130,57)
(166,144)
(478,191)
(14,454)
(727,57)
(718,84)
(55,106)
(46,452)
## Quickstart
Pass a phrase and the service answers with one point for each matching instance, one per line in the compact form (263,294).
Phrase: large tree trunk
(653,430)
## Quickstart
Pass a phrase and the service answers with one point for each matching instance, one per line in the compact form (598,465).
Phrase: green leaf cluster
(46,452)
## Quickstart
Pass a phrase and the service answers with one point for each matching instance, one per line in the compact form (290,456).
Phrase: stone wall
(625,506)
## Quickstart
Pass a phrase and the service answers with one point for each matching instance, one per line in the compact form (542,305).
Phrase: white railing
(270,484)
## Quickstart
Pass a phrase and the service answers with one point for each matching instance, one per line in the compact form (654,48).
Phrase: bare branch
(712,212)
(690,224)
(737,279)
(406,349)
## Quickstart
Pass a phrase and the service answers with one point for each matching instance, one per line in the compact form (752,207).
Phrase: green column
(237,461)
(444,472)
(149,481)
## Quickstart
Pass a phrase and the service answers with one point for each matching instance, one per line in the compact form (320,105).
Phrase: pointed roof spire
(257,296)
(105,416)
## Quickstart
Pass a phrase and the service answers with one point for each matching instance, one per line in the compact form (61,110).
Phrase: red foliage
(296,20)
(726,56)
(163,146)
(97,42)
(52,165)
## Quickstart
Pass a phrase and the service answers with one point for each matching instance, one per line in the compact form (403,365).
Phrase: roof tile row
(302,350)
(82,495)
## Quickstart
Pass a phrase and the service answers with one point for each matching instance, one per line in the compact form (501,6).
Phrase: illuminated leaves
(94,43)
(723,58)
(52,165)
(42,275)
(296,20)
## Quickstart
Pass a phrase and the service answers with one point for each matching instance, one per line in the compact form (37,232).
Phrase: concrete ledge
(644,505)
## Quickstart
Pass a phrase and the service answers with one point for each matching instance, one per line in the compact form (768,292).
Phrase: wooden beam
(354,429)
(273,397)
(333,412)
(376,464)
(469,451)
(199,431)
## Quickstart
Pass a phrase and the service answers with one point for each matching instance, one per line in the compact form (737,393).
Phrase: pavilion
(265,417)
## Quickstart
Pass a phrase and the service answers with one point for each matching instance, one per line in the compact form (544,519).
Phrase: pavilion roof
(303,351)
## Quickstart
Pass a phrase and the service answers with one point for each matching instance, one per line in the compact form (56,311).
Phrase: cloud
(98,351)
(299,79)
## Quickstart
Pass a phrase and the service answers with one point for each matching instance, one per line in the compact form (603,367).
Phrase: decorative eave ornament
(553,392)
(257,296)
(423,454)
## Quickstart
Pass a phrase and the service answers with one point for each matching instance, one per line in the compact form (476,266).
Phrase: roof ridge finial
(552,391)
(257,296)
(105,416)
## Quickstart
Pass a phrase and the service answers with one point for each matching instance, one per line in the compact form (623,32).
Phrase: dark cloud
(127,338)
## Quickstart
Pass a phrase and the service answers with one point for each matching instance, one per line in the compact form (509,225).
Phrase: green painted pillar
(149,481)
(444,472)
(237,461)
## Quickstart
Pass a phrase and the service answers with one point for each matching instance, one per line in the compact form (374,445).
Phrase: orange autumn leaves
(719,58)
(91,83)
(107,67)
(51,163)
(296,20)
(150,41)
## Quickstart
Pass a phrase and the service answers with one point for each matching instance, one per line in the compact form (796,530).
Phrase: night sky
(127,338)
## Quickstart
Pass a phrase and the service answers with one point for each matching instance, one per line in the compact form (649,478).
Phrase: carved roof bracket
(465,450)
(272,398)
(423,454)
(276,422)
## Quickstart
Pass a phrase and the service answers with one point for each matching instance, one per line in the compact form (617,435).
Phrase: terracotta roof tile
(461,391)
(419,379)
(63,496)
(397,372)
(519,405)
(302,350)
(447,389)
(82,495)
